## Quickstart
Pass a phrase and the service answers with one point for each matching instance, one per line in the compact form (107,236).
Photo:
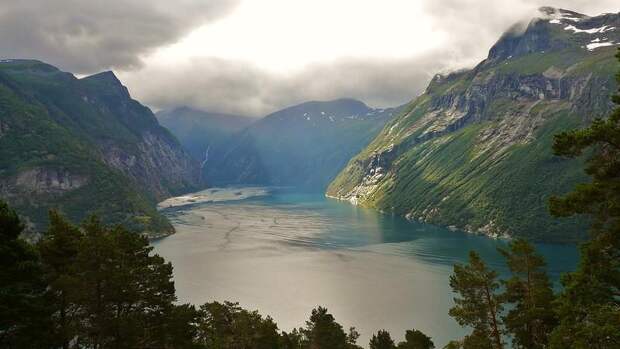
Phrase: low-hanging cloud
(84,36)
(89,36)
(243,88)
(240,88)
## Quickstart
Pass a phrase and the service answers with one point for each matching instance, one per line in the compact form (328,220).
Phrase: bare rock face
(156,163)
(155,160)
(49,180)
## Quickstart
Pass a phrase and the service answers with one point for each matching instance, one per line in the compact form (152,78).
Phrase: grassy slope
(470,189)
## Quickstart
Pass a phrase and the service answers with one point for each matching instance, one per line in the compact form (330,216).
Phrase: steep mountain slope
(84,146)
(304,145)
(474,151)
(199,130)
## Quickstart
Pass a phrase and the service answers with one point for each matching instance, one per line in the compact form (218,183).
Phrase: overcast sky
(252,57)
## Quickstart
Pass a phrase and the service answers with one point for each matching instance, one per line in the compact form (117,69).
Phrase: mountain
(303,146)
(474,151)
(198,130)
(84,146)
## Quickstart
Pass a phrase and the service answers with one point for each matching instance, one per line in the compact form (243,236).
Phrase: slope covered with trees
(84,146)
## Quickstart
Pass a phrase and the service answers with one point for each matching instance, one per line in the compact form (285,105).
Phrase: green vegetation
(586,312)
(78,145)
(460,153)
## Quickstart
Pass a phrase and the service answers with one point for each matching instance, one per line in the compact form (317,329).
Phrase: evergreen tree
(228,326)
(323,332)
(126,292)
(181,328)
(22,305)
(382,340)
(478,305)
(531,318)
(291,340)
(453,345)
(415,339)
(589,306)
(59,249)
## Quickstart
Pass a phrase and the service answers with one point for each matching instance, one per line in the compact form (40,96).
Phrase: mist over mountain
(199,130)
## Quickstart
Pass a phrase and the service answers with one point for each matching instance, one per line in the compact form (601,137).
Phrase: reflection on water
(287,252)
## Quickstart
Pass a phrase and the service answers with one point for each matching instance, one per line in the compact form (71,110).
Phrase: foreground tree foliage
(22,304)
(479,305)
(586,313)
(382,340)
(415,339)
(589,306)
(531,317)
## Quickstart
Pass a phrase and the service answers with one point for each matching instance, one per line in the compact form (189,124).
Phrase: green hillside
(462,152)
(85,147)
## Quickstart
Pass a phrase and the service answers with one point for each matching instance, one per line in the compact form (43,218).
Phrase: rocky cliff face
(477,141)
(85,146)
(156,160)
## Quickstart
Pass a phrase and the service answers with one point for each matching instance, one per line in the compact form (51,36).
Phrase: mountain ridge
(302,145)
(85,146)
(458,152)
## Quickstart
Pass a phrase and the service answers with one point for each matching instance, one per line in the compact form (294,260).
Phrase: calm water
(284,253)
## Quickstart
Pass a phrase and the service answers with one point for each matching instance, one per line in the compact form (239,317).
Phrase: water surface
(283,253)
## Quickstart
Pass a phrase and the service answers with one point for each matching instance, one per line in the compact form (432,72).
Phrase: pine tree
(291,340)
(59,249)
(228,326)
(479,304)
(323,332)
(531,318)
(589,306)
(23,308)
(382,340)
(415,339)
(127,293)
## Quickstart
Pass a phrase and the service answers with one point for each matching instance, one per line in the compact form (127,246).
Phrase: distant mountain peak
(108,80)
(31,65)
(107,76)
(556,29)
(552,13)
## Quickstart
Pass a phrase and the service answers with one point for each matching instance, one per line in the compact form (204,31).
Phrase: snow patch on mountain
(594,45)
(602,29)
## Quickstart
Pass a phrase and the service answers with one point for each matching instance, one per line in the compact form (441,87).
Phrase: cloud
(241,87)
(89,35)
(237,87)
